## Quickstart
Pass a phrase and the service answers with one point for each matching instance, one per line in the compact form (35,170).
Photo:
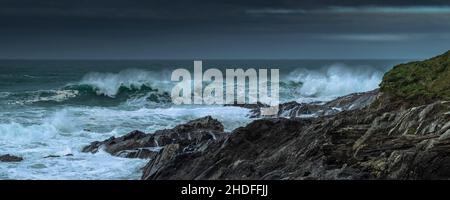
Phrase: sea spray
(109,84)
(336,80)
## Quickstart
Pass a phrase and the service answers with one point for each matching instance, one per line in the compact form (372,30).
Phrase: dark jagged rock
(349,102)
(57,156)
(137,144)
(354,101)
(52,156)
(255,109)
(142,153)
(295,109)
(10,158)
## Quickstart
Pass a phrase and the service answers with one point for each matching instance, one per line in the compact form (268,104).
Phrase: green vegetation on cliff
(421,81)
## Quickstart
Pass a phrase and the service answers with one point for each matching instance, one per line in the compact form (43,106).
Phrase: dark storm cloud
(223,29)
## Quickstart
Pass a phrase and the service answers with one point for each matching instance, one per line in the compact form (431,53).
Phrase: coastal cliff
(401,131)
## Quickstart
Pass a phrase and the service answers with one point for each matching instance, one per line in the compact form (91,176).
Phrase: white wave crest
(337,80)
(109,83)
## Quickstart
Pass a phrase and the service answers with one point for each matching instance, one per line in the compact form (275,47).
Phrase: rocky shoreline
(401,131)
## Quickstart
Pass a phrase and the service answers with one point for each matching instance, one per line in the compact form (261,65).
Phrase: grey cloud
(227,29)
(370,37)
(358,10)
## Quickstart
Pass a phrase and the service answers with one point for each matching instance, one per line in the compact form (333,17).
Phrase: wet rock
(132,140)
(57,156)
(52,156)
(349,102)
(10,158)
(255,109)
(137,144)
(143,153)
(294,109)
(162,160)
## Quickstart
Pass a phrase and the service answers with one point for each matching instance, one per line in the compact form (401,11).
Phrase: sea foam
(336,80)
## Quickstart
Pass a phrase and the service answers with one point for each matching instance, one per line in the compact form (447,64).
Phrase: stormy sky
(233,29)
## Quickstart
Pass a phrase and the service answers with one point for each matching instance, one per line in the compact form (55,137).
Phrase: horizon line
(184,59)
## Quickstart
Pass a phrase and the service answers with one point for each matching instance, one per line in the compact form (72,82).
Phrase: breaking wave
(106,89)
(112,84)
(334,81)
(139,87)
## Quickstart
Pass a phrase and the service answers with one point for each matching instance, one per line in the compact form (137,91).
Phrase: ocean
(55,107)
